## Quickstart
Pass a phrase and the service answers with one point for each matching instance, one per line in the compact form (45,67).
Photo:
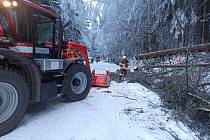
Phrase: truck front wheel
(77,83)
(13,99)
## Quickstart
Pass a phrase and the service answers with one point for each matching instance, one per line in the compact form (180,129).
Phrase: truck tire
(13,100)
(77,83)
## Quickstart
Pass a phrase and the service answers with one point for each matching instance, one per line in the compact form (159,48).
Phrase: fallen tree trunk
(170,52)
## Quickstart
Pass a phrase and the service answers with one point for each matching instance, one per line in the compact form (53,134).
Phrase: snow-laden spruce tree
(138,26)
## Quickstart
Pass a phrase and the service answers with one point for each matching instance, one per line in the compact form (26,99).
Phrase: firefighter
(124,63)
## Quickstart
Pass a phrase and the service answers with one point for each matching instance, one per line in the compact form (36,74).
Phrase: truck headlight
(7,3)
(14,3)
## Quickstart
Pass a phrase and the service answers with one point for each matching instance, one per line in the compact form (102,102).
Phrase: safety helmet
(124,57)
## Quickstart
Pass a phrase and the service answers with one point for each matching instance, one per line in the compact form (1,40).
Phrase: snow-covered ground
(125,111)
(101,66)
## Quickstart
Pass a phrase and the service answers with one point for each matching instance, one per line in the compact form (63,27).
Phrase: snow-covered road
(125,111)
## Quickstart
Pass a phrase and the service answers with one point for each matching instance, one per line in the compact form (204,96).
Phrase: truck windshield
(17,24)
(26,25)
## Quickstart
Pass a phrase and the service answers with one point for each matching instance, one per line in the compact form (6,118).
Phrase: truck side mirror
(67,24)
